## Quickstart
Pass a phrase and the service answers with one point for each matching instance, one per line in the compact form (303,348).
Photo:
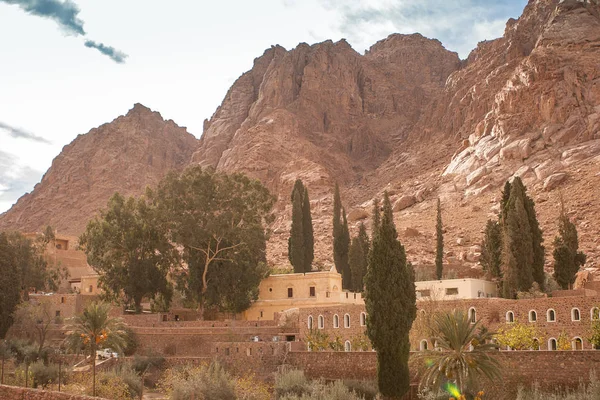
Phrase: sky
(67,66)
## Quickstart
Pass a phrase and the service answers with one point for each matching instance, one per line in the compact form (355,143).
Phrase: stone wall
(549,369)
(19,393)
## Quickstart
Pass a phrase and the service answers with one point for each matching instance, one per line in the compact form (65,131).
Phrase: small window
(532,316)
(91,289)
(249,351)
(321,322)
(472,315)
(535,345)
(57,314)
(552,344)
(310,322)
(261,314)
(347,321)
(290,292)
(347,346)
(594,314)
(451,291)
(423,293)
(423,345)
(270,289)
(577,344)
(551,315)
(312,291)
(575,314)
(510,317)
(62,300)
(336,321)
(363,319)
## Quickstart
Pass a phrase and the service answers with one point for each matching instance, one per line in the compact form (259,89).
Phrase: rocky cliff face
(126,155)
(408,117)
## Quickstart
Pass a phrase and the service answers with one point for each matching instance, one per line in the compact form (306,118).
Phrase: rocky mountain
(125,155)
(408,116)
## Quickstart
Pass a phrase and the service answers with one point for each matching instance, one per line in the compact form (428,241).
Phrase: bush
(203,382)
(132,379)
(43,375)
(131,342)
(365,389)
(318,390)
(591,391)
(291,382)
(249,388)
(142,364)
(111,385)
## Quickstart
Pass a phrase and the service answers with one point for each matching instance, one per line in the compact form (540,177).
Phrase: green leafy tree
(491,249)
(462,356)
(519,336)
(537,238)
(33,320)
(95,329)
(128,246)
(567,257)
(439,250)
(296,251)
(358,258)
(517,254)
(218,222)
(10,295)
(391,305)
(341,239)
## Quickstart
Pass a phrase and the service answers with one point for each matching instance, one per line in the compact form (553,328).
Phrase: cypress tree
(504,202)
(376,216)
(439,254)
(567,258)
(10,282)
(307,229)
(391,305)
(296,241)
(358,258)
(341,239)
(491,249)
(539,252)
(517,254)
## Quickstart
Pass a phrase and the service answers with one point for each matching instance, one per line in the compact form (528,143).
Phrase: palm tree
(462,355)
(93,328)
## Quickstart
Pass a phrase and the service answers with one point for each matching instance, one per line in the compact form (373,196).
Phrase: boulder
(411,232)
(358,214)
(404,202)
(517,150)
(554,180)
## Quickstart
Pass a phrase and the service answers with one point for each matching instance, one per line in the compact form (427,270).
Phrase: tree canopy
(128,247)
(439,250)
(358,258)
(567,257)
(341,239)
(301,241)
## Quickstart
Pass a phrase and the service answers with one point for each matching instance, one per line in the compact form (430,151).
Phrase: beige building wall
(455,289)
(279,293)
(89,285)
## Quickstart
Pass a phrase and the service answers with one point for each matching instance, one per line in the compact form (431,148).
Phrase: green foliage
(44,374)
(200,382)
(337,344)
(10,283)
(358,258)
(33,320)
(463,355)
(218,222)
(589,391)
(111,386)
(317,340)
(319,390)
(341,240)
(131,341)
(142,364)
(594,333)
(127,245)
(491,249)
(439,250)
(567,257)
(539,252)
(290,383)
(391,305)
(360,342)
(363,389)
(519,336)
(307,232)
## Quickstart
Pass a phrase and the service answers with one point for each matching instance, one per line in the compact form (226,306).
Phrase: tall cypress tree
(491,249)
(341,239)
(10,282)
(376,217)
(358,258)
(296,252)
(517,254)
(537,238)
(307,231)
(391,305)
(439,251)
(567,258)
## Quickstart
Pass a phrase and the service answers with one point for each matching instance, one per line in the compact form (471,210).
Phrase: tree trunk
(94,370)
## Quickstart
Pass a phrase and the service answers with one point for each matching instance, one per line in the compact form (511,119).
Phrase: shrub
(132,379)
(131,342)
(111,386)
(143,363)
(43,375)
(365,389)
(590,391)
(318,390)
(202,382)
(291,382)
(249,388)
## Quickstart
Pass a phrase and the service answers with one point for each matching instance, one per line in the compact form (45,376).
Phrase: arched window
(510,317)
(347,346)
(577,344)
(594,313)
(551,315)
(310,322)
(472,315)
(363,319)
(321,322)
(535,344)
(423,345)
(336,321)
(552,344)
(532,316)
(347,321)
(575,314)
